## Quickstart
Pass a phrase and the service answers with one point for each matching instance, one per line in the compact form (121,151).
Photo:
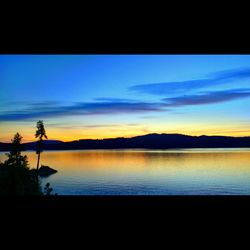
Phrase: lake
(147,172)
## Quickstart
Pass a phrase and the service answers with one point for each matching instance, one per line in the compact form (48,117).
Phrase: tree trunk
(37,167)
(38,160)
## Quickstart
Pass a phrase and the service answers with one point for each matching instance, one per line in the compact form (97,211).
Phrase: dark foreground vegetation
(16,177)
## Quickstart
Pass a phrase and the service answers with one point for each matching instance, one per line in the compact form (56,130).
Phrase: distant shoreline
(134,149)
(150,141)
(140,149)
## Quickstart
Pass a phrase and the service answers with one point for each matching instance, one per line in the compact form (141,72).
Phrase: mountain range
(149,141)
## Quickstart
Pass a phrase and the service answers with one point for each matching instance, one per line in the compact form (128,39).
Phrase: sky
(106,96)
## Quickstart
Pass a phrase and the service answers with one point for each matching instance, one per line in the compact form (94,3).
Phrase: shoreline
(144,149)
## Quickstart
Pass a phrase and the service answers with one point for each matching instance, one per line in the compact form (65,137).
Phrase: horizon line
(134,137)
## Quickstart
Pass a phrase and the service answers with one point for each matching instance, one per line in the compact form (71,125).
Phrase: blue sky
(100,96)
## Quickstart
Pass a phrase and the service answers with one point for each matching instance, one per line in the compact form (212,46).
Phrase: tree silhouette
(40,134)
(14,157)
(14,162)
(16,178)
(15,175)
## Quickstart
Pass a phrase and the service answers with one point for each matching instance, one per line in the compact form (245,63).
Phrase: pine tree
(15,158)
(40,134)
(15,175)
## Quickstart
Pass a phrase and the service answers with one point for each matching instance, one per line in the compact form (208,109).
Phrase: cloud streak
(207,98)
(215,79)
(94,108)
(66,126)
(109,107)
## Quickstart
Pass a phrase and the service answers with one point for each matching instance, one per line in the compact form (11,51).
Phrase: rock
(45,171)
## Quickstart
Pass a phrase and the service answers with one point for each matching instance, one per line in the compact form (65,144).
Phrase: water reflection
(203,171)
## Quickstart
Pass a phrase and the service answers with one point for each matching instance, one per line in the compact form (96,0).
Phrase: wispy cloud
(44,104)
(215,79)
(93,108)
(67,126)
(41,111)
(113,100)
(207,98)
(170,87)
(99,126)
(62,126)
(234,74)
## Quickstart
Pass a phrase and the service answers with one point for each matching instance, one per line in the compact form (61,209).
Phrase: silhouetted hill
(28,145)
(150,141)
(4,146)
(45,143)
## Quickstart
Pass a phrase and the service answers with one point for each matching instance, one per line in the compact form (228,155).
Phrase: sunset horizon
(124,125)
(109,96)
(126,137)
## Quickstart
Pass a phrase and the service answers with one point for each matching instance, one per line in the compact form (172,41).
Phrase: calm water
(133,172)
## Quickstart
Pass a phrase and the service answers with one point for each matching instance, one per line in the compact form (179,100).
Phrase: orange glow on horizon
(98,133)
